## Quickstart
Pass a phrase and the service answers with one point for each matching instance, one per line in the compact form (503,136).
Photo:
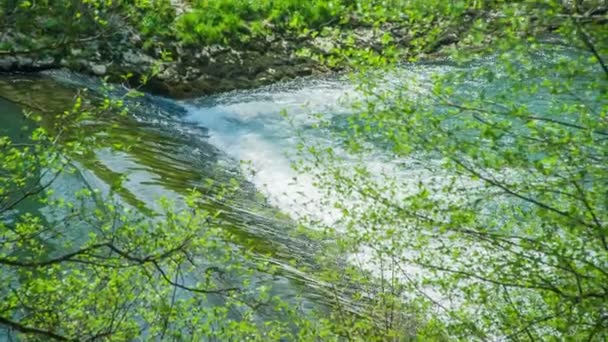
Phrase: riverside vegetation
(215,45)
(486,220)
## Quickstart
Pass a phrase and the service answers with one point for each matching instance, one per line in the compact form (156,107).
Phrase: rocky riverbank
(193,71)
(119,49)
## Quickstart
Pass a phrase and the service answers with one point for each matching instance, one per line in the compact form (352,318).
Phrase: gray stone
(216,49)
(136,59)
(99,69)
(44,62)
(24,62)
(7,63)
(324,44)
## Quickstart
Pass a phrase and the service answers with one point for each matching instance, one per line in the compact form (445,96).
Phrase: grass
(226,21)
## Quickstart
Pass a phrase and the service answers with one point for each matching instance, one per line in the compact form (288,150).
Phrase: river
(177,146)
(249,136)
(174,146)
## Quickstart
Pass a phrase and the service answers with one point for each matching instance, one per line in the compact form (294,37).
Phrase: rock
(324,44)
(135,58)
(169,73)
(99,69)
(270,38)
(304,71)
(76,52)
(44,63)
(197,70)
(24,62)
(180,6)
(216,49)
(135,39)
(202,54)
(7,63)
(364,36)
(446,39)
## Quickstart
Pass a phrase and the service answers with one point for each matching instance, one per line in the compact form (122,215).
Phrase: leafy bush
(226,21)
(155,18)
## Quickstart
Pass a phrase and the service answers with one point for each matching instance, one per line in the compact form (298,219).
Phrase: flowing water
(176,146)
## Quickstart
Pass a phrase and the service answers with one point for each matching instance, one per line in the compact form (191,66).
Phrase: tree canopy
(491,210)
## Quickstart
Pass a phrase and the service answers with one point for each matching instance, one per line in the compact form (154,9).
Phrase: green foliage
(490,212)
(500,235)
(96,268)
(229,21)
(54,27)
(226,21)
(153,19)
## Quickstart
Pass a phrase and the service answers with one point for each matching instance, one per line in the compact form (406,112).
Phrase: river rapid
(178,146)
(249,136)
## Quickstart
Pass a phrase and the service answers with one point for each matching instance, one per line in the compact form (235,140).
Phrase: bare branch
(188,288)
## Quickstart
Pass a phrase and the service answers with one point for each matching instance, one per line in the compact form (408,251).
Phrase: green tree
(490,214)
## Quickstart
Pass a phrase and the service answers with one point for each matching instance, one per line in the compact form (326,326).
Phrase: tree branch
(589,43)
(187,288)
(64,258)
(31,330)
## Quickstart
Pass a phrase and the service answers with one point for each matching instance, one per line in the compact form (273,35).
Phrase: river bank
(186,49)
(181,69)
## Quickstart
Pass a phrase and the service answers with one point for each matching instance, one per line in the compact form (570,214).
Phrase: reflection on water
(166,158)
